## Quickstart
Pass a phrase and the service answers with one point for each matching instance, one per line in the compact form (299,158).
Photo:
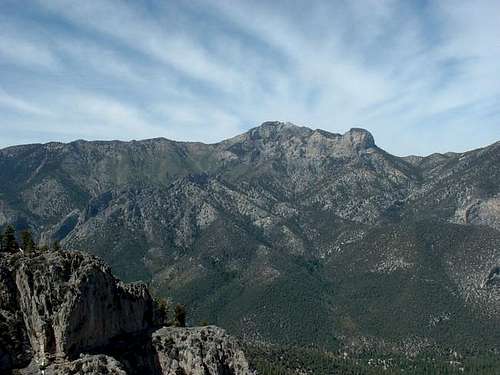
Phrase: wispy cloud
(98,59)
(25,52)
(12,103)
(421,76)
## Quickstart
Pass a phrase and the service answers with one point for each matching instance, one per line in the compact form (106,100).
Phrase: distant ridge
(279,225)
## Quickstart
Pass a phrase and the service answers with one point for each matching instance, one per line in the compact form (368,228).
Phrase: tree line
(163,313)
(12,242)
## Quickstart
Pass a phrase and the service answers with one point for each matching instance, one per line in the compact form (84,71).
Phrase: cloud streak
(12,103)
(422,77)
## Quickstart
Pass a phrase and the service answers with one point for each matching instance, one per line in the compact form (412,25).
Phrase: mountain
(77,318)
(283,234)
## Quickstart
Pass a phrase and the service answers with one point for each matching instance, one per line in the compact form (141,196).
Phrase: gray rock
(198,351)
(86,365)
(57,306)
(71,302)
(484,212)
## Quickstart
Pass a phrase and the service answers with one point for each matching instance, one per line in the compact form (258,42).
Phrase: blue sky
(422,76)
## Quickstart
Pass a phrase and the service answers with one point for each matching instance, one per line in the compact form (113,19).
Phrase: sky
(422,76)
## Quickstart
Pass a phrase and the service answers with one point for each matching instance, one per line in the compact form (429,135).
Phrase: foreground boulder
(87,365)
(198,351)
(66,313)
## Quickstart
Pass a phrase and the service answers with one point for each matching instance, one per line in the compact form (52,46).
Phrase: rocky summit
(282,235)
(65,313)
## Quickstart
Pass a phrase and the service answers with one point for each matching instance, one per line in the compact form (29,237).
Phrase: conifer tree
(10,244)
(180,315)
(56,246)
(162,309)
(28,245)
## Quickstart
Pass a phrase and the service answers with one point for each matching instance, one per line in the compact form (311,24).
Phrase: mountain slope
(282,234)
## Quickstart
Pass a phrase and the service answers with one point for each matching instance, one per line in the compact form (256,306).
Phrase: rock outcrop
(88,365)
(198,351)
(72,303)
(58,309)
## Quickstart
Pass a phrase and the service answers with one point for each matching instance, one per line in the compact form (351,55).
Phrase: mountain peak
(277,125)
(360,138)
(279,133)
(277,129)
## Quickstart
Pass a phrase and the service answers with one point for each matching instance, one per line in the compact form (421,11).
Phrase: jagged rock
(71,302)
(86,365)
(15,349)
(57,306)
(484,212)
(359,139)
(98,364)
(198,351)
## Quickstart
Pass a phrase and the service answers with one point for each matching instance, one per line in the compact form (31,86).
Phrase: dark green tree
(56,246)
(10,244)
(162,311)
(180,315)
(28,244)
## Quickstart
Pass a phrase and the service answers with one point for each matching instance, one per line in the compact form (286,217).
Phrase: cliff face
(58,306)
(71,302)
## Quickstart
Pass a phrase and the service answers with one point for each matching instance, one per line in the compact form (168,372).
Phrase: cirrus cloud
(421,76)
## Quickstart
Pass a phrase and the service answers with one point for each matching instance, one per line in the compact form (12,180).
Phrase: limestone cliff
(66,313)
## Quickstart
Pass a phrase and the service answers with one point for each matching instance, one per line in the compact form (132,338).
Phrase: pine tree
(162,311)
(56,246)
(10,244)
(28,245)
(180,315)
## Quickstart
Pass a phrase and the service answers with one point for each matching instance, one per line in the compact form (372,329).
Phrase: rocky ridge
(65,312)
(280,215)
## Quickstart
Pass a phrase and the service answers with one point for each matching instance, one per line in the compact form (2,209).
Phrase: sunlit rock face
(71,302)
(57,306)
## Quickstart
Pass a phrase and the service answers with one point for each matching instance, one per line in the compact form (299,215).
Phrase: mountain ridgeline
(282,234)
